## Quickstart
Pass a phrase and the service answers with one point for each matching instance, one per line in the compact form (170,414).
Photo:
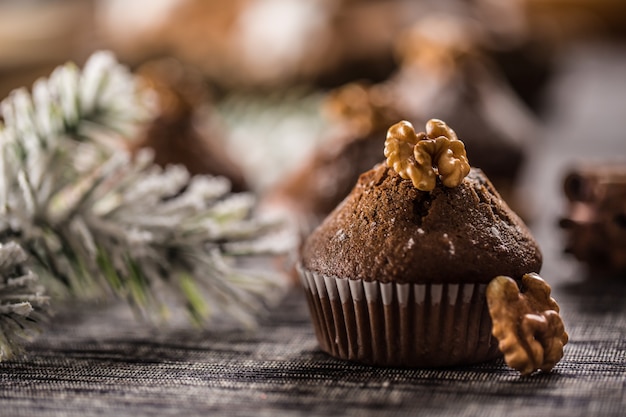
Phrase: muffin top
(388,230)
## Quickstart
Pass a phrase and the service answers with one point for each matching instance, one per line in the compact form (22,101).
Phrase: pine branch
(96,221)
(22,303)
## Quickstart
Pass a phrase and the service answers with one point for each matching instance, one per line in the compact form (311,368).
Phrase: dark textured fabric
(104,363)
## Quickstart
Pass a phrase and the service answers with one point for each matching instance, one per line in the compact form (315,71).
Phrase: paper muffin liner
(390,324)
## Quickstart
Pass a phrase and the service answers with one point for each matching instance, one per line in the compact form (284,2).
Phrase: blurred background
(290,99)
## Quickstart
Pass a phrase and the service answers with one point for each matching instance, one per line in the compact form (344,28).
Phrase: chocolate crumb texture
(388,230)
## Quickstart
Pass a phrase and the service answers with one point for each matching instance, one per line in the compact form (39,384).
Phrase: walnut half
(420,157)
(526,323)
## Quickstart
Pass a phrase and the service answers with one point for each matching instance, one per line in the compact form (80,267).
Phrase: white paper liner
(419,325)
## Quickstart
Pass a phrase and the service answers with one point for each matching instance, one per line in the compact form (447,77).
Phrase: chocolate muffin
(396,275)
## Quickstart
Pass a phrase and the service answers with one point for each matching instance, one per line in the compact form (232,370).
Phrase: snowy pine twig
(22,303)
(99,222)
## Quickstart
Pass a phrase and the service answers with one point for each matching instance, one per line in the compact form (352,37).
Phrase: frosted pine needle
(95,221)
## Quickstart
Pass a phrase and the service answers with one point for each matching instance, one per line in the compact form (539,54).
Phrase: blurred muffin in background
(185,130)
(359,115)
(446,74)
(523,55)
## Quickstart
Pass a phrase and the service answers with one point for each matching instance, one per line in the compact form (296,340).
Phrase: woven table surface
(107,364)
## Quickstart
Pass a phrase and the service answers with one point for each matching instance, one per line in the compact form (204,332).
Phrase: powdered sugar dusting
(341,235)
(451,248)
